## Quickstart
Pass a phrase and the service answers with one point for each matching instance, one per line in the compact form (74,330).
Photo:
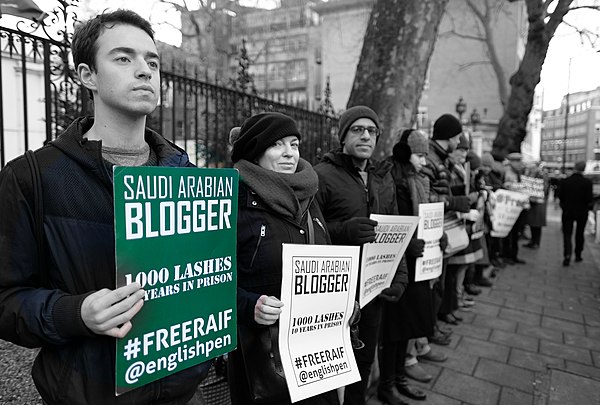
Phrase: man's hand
(109,312)
(267,310)
(359,230)
(444,242)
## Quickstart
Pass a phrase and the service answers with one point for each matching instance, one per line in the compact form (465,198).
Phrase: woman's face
(282,156)
(418,160)
(460,155)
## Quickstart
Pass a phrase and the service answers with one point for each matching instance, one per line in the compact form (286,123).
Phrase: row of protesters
(76,315)
(280,195)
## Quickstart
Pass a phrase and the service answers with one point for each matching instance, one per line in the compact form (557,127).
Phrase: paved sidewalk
(533,338)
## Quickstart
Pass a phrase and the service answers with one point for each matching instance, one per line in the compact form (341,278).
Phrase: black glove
(357,344)
(393,293)
(459,203)
(441,187)
(415,247)
(359,230)
(444,242)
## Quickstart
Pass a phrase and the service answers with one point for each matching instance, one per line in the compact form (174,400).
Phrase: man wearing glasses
(351,187)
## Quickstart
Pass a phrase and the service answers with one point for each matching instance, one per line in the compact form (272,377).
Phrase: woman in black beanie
(275,205)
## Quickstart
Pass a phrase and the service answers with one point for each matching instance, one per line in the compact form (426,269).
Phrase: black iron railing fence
(200,115)
(40,95)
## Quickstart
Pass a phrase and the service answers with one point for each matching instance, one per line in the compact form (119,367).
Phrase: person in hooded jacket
(351,187)
(276,205)
(410,320)
(76,314)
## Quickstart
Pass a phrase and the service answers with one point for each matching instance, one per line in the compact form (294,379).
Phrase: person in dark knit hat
(446,127)
(351,187)
(275,202)
(446,133)
(261,131)
(351,115)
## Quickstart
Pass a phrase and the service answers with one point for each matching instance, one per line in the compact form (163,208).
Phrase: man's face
(453,143)
(127,76)
(360,144)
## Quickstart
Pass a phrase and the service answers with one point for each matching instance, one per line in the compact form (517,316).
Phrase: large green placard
(176,233)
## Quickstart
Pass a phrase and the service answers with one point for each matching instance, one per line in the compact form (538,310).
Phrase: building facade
(342,29)
(571,133)
(284,50)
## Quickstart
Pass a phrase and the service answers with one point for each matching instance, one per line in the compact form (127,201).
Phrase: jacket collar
(89,153)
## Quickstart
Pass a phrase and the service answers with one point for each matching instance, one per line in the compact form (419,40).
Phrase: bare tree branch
(488,37)
(584,33)
(597,8)
(557,16)
(475,11)
(460,35)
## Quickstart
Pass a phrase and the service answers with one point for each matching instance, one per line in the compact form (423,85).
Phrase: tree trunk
(393,63)
(512,128)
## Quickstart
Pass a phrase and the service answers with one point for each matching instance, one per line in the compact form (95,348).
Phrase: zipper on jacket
(263,233)
(315,219)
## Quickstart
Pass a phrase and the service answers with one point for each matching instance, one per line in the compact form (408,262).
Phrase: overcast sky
(566,45)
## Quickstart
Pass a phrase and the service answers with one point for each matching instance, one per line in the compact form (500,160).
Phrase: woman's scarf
(288,194)
(419,190)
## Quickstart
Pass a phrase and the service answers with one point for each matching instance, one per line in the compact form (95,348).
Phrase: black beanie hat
(352,114)
(446,127)
(261,131)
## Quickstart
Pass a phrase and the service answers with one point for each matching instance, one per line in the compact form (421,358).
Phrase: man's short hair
(580,166)
(84,46)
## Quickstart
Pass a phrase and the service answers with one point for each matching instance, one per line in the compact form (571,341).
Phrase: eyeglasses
(359,130)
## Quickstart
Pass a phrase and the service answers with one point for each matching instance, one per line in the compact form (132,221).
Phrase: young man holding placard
(75,315)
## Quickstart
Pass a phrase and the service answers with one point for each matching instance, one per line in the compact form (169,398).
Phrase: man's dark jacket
(74,365)
(576,196)
(343,195)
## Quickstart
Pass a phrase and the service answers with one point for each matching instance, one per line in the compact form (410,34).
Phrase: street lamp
(475,119)
(461,107)
(564,159)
